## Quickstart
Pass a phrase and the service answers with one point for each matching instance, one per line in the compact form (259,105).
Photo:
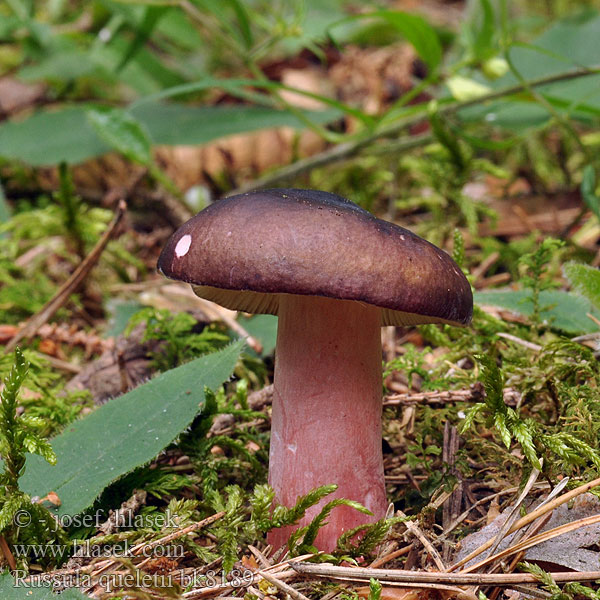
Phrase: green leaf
(585,279)
(10,589)
(119,313)
(123,132)
(483,40)
(52,136)
(243,21)
(126,432)
(588,190)
(152,16)
(567,312)
(264,329)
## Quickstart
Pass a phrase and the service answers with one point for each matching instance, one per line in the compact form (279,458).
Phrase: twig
(7,553)
(347,149)
(485,264)
(518,340)
(71,285)
(475,393)
(392,556)
(282,570)
(514,513)
(261,557)
(62,365)
(177,534)
(284,587)
(401,576)
(416,531)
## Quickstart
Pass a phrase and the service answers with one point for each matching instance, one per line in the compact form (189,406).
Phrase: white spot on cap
(183,245)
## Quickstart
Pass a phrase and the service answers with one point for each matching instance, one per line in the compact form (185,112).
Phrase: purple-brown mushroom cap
(244,251)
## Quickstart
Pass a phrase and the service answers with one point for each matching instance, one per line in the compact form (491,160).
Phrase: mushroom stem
(326,423)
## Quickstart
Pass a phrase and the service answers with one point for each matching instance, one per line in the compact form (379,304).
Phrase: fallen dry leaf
(575,550)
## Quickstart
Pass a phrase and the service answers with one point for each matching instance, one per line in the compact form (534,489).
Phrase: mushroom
(334,274)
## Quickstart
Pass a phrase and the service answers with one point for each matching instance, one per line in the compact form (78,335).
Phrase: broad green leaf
(588,190)
(52,136)
(264,329)
(126,432)
(585,279)
(570,43)
(11,589)
(62,64)
(119,313)
(239,88)
(123,132)
(568,311)
(482,45)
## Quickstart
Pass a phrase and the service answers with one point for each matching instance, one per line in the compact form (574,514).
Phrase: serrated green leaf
(126,432)
(123,132)
(10,589)
(262,328)
(585,279)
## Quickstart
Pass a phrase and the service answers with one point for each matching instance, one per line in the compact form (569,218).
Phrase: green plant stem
(345,150)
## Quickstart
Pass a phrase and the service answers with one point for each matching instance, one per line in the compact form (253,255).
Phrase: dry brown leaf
(16,95)
(493,511)
(575,550)
(396,593)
